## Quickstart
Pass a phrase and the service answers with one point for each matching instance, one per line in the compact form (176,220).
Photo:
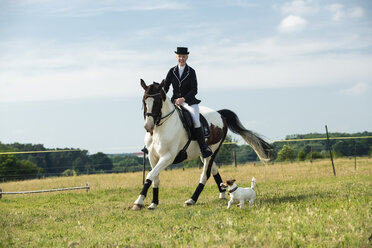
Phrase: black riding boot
(205,150)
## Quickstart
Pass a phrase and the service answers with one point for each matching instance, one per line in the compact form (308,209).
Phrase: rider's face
(181,59)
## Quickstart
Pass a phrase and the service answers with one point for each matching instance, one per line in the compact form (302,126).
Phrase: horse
(166,136)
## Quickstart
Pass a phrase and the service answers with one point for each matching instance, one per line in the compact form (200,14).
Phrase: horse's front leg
(155,185)
(155,194)
(153,175)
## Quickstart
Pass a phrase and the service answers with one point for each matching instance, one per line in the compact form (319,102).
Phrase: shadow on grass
(279,199)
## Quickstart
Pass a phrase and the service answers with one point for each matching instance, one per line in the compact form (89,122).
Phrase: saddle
(188,124)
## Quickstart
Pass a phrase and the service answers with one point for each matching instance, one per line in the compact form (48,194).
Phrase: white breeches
(194,111)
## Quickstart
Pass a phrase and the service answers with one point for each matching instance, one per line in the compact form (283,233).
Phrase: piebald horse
(166,137)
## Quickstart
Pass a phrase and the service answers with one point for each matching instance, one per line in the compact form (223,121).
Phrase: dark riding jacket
(186,86)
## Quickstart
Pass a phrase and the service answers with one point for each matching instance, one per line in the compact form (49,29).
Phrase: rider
(185,87)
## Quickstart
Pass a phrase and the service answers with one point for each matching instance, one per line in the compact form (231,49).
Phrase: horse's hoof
(190,202)
(153,206)
(137,207)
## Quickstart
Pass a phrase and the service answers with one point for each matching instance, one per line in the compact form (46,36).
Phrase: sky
(70,70)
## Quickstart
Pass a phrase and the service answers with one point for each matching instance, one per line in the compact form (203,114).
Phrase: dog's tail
(253,182)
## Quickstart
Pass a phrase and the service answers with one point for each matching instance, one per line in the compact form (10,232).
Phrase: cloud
(300,7)
(239,3)
(292,24)
(47,70)
(40,70)
(358,89)
(356,12)
(87,8)
(339,12)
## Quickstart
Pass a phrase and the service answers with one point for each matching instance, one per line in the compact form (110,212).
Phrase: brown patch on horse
(216,135)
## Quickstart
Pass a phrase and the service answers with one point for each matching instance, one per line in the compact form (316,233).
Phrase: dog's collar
(232,190)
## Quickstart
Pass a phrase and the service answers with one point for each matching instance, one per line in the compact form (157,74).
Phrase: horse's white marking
(140,200)
(149,120)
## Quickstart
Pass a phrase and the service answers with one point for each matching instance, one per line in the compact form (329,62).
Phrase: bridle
(157,116)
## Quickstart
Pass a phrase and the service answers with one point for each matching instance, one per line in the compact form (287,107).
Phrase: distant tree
(193,163)
(245,154)
(301,156)
(286,154)
(225,154)
(116,159)
(344,147)
(128,163)
(11,168)
(314,155)
(101,162)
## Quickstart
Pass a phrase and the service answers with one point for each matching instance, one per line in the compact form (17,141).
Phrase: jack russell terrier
(238,194)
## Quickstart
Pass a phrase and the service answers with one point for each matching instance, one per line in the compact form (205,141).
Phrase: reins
(157,117)
(168,115)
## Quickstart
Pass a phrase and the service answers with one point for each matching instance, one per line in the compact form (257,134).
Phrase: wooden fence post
(1,195)
(355,154)
(234,155)
(144,168)
(330,151)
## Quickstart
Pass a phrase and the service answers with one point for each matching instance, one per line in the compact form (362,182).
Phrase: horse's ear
(162,83)
(143,84)
(163,94)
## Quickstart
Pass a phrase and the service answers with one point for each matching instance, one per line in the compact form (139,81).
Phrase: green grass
(301,205)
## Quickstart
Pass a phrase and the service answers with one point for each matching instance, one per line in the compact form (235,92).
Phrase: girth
(188,124)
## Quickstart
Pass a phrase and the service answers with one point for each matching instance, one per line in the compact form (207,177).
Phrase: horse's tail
(263,149)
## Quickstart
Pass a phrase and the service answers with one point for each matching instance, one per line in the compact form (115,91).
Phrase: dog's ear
(230,182)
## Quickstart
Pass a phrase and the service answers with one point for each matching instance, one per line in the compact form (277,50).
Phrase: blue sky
(70,70)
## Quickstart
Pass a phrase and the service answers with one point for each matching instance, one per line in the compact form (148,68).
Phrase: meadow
(299,204)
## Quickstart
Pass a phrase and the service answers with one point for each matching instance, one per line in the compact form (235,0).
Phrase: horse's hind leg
(202,182)
(204,178)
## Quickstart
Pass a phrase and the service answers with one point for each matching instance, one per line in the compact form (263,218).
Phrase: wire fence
(233,157)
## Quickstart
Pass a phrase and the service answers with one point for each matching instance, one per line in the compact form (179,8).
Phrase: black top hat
(181,50)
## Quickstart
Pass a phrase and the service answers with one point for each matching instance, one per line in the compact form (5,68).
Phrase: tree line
(37,165)
(314,149)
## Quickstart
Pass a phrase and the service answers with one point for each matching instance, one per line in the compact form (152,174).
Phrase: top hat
(182,50)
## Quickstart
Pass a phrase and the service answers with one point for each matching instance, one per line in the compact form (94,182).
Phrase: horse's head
(153,102)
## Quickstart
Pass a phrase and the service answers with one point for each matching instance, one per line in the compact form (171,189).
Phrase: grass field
(297,205)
